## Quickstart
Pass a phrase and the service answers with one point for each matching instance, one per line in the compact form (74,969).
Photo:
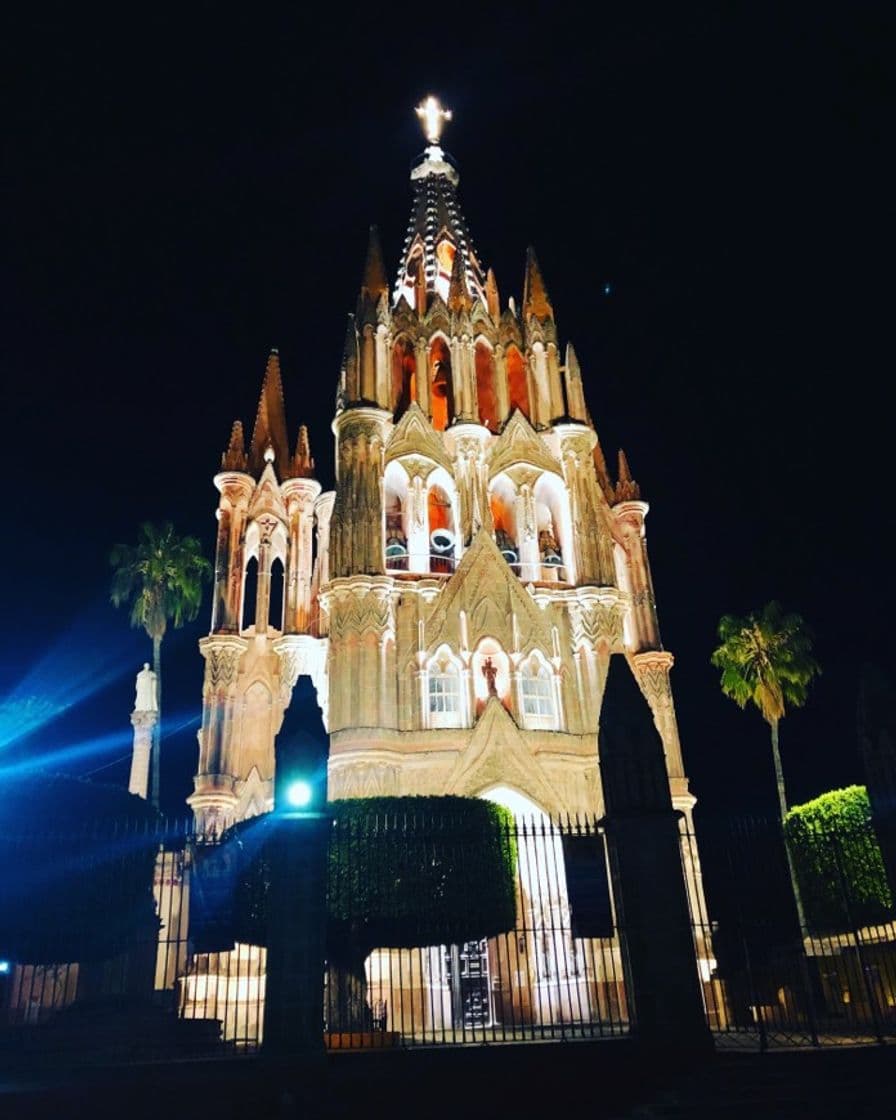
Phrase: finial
(432,116)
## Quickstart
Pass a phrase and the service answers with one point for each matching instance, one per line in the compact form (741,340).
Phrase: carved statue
(490,671)
(147,697)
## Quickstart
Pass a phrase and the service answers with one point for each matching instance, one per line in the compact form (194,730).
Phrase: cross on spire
(432,117)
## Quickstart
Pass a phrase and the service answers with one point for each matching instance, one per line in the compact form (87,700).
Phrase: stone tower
(457,598)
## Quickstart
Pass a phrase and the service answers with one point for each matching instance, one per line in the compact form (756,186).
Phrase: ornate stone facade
(457,597)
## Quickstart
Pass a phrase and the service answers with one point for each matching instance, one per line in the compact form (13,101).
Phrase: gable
(496,604)
(498,754)
(266,497)
(414,435)
(519,443)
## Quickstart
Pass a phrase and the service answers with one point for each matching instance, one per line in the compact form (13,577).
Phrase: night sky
(706,196)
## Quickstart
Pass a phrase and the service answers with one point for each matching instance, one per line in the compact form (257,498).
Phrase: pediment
(266,497)
(494,601)
(479,317)
(414,435)
(437,316)
(520,443)
(498,754)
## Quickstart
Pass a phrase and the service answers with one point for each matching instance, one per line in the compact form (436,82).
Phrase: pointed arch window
(537,695)
(517,384)
(485,386)
(441,390)
(404,376)
(444,705)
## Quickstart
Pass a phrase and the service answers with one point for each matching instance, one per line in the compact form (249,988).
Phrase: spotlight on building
(299,794)
(5,968)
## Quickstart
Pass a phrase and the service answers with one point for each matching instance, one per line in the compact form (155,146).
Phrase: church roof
(436,232)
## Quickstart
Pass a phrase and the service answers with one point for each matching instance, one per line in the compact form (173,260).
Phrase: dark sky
(184,189)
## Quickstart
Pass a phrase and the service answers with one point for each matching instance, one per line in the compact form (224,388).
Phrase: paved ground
(605,1080)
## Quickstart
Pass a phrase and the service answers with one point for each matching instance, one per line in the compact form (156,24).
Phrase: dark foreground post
(643,842)
(294,995)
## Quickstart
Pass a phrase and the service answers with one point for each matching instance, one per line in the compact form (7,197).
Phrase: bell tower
(263,623)
(458,596)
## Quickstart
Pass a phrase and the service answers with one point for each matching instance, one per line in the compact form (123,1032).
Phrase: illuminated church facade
(457,598)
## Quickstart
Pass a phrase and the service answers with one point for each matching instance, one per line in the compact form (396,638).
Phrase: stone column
(526,534)
(652,669)
(299,495)
(143,719)
(235,489)
(368,363)
(555,390)
(357,544)
(592,542)
(213,796)
(501,393)
(630,518)
(416,525)
(538,406)
(643,839)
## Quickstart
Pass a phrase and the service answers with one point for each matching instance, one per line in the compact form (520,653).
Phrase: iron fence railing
(151,957)
(769,981)
(149,941)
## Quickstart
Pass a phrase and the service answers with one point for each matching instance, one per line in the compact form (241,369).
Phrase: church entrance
(467,974)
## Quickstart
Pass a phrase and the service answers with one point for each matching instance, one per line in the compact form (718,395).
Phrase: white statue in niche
(147,697)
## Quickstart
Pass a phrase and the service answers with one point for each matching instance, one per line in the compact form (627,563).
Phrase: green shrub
(837,860)
(402,872)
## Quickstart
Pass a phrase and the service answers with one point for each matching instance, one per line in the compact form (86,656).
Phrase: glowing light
(5,968)
(432,116)
(299,794)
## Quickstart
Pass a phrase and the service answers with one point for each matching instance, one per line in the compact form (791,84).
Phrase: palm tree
(767,658)
(161,578)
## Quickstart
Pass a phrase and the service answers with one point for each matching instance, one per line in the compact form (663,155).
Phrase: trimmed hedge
(402,872)
(838,863)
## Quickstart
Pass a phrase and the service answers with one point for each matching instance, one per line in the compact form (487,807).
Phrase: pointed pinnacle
(627,490)
(573,369)
(374,282)
(270,420)
(350,346)
(535,294)
(491,296)
(303,463)
(234,458)
(458,293)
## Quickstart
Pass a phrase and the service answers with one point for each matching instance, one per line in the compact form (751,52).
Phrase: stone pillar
(502,396)
(213,797)
(526,534)
(652,669)
(357,544)
(143,719)
(422,362)
(630,518)
(555,390)
(643,840)
(299,496)
(368,363)
(235,489)
(416,525)
(592,540)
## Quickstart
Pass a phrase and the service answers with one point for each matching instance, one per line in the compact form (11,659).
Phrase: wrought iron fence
(150,942)
(770,980)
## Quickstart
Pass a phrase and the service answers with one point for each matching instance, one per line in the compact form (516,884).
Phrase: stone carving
(146,699)
(520,443)
(222,662)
